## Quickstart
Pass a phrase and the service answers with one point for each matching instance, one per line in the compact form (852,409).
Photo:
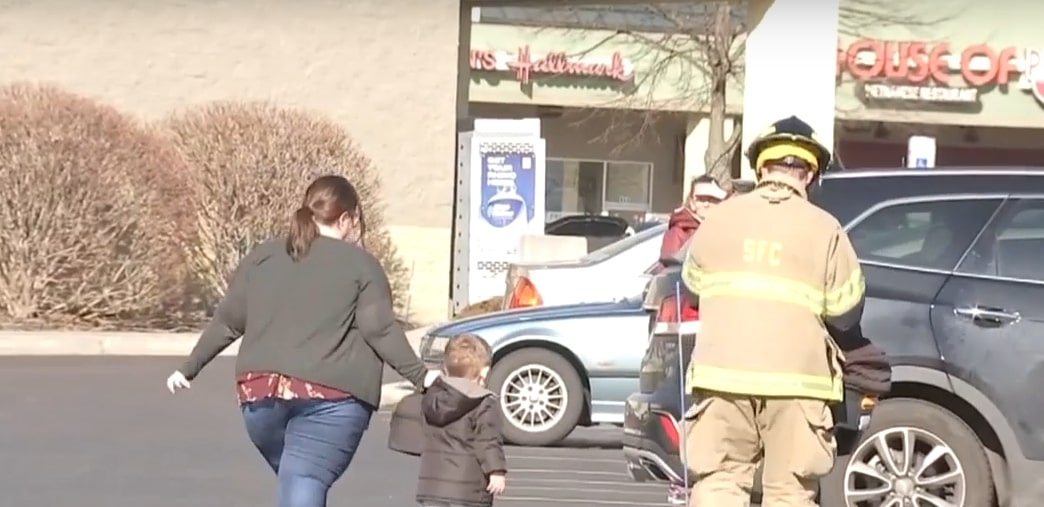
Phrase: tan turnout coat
(769,271)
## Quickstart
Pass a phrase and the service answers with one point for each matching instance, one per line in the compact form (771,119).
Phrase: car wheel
(541,396)
(915,451)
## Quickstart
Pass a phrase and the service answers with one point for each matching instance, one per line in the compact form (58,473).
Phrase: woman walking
(315,313)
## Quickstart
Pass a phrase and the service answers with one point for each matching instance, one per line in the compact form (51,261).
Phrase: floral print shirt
(254,386)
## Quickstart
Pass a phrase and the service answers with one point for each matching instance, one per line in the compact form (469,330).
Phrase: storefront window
(627,184)
(579,187)
(553,185)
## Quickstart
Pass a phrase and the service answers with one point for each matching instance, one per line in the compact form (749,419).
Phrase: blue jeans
(308,443)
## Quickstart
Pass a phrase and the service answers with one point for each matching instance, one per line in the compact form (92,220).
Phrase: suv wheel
(541,396)
(917,453)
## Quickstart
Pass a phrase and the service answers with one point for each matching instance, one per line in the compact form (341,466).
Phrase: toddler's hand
(496,484)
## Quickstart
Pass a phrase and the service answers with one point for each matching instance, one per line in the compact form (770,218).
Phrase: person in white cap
(704,193)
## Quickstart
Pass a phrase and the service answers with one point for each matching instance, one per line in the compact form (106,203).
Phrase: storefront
(981,103)
(946,70)
(616,140)
(937,68)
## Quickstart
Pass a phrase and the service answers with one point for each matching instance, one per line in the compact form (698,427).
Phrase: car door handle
(988,315)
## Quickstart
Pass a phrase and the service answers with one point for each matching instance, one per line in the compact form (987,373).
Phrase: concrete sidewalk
(100,343)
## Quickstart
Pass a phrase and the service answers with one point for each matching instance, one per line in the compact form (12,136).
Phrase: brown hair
(325,200)
(706,178)
(466,356)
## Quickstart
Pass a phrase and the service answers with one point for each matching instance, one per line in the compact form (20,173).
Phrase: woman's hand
(429,378)
(496,484)
(177,381)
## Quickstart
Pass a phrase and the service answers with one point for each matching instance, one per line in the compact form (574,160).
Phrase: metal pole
(682,430)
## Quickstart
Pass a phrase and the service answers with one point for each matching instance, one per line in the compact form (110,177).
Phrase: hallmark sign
(525,66)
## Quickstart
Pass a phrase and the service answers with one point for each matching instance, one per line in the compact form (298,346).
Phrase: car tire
(558,370)
(930,425)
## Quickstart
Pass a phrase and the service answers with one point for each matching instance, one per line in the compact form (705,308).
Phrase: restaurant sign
(925,72)
(526,66)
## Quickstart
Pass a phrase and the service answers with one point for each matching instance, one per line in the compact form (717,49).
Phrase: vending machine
(500,199)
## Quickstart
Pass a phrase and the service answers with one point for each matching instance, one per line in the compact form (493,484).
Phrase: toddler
(462,455)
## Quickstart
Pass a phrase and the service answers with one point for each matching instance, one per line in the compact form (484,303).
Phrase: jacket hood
(682,218)
(450,398)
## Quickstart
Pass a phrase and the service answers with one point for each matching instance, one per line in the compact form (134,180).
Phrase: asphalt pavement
(102,431)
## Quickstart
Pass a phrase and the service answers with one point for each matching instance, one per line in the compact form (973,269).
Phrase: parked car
(600,230)
(558,367)
(646,224)
(955,296)
(613,272)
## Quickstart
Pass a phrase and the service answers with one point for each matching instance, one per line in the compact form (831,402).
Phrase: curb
(100,343)
(96,343)
(103,343)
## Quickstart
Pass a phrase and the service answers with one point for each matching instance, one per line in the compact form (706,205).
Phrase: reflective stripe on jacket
(770,271)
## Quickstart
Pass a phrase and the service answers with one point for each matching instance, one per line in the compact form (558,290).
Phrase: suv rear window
(1011,246)
(930,234)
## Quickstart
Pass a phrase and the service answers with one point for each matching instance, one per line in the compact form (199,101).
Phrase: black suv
(954,266)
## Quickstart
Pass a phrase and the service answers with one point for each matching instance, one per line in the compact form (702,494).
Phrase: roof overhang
(556,3)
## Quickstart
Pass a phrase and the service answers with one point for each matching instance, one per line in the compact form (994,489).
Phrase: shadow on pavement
(592,438)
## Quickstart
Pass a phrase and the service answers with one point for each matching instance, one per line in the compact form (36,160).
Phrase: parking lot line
(560,472)
(652,485)
(562,458)
(580,490)
(553,500)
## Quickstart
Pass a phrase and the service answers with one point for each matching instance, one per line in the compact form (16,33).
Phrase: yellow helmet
(789,137)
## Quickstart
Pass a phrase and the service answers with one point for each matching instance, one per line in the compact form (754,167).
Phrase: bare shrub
(249,165)
(481,308)
(86,226)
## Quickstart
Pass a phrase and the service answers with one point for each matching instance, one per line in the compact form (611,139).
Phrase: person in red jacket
(704,193)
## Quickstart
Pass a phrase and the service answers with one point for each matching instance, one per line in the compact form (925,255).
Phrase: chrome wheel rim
(533,398)
(904,467)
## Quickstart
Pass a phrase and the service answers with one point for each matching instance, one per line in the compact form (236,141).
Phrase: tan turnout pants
(727,436)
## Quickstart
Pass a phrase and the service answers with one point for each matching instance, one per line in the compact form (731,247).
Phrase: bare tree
(721,54)
(694,49)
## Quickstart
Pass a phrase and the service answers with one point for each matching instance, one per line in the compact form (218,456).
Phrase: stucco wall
(385,70)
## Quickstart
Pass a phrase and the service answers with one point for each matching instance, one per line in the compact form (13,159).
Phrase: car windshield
(623,245)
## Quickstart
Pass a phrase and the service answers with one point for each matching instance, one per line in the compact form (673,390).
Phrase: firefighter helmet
(789,137)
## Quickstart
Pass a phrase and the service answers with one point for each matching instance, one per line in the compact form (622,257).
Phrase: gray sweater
(326,319)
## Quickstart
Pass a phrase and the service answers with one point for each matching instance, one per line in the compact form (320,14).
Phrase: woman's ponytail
(303,231)
(327,201)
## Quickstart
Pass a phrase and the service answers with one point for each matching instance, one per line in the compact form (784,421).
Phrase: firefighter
(772,275)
